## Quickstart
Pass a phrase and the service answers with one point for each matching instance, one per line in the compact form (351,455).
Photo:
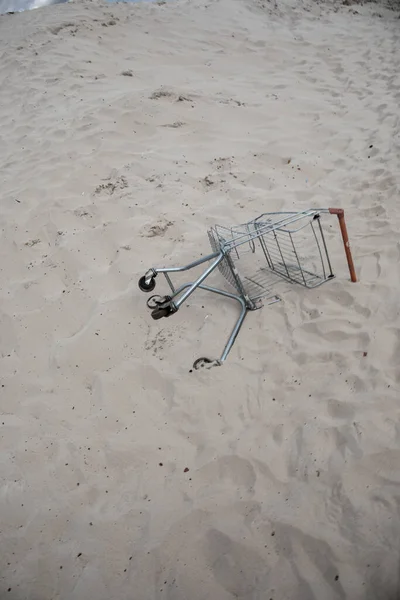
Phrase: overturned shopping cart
(287,246)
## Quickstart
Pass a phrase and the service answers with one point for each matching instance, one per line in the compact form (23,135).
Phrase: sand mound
(127,130)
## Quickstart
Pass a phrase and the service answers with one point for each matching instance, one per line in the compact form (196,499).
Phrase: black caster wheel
(205,363)
(147,287)
(159,313)
(157,301)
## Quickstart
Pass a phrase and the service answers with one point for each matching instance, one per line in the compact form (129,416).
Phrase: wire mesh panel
(273,247)
(224,267)
(298,254)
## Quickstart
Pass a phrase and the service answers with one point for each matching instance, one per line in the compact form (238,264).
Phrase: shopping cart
(252,257)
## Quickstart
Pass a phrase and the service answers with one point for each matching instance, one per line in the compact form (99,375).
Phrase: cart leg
(147,282)
(234,333)
(203,362)
(239,322)
(198,281)
(169,306)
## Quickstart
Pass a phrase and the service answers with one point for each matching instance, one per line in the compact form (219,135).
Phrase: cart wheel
(147,287)
(205,363)
(154,301)
(159,313)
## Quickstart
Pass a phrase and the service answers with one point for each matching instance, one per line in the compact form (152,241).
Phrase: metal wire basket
(253,257)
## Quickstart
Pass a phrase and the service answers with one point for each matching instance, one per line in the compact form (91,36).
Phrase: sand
(124,475)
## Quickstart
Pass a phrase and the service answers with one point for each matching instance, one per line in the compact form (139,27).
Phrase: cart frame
(275,233)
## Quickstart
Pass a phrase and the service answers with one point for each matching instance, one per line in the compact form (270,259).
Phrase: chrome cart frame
(291,246)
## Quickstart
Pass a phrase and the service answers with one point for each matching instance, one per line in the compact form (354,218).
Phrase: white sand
(293,446)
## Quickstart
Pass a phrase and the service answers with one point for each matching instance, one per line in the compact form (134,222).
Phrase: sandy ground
(125,476)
